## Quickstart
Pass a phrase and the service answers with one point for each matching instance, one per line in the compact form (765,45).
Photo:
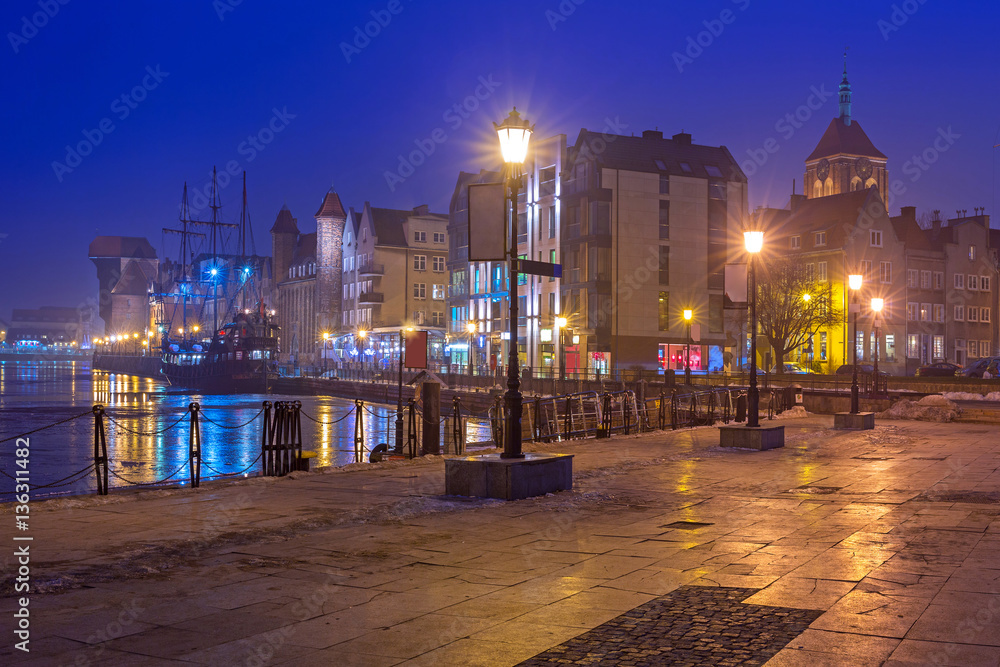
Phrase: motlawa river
(147,427)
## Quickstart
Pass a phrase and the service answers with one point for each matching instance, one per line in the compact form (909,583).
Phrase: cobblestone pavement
(694,625)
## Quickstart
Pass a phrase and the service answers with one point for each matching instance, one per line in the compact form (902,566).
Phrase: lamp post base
(491,476)
(854,421)
(752,437)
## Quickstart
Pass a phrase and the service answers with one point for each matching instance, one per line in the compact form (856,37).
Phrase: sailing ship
(241,353)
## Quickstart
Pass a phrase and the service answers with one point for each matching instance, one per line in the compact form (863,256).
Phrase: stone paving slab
(888,538)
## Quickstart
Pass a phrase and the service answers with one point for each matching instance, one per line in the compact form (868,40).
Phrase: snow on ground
(966,396)
(934,408)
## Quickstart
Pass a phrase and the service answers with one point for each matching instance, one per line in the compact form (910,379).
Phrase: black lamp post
(514,134)
(754,242)
(687,361)
(399,398)
(561,323)
(470,328)
(877,304)
(854,281)
(326,340)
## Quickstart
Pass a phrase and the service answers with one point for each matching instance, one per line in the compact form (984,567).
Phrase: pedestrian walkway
(843,548)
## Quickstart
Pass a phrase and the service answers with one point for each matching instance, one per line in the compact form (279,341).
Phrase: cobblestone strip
(694,625)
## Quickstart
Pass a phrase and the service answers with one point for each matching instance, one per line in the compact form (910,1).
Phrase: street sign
(539,268)
(487,222)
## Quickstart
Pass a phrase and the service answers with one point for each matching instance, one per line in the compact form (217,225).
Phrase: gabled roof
(305,249)
(134,281)
(331,207)
(910,233)
(843,139)
(136,247)
(641,154)
(837,215)
(388,224)
(284,223)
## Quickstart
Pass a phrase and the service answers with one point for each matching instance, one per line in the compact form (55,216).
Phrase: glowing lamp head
(754,241)
(362,334)
(214,272)
(877,304)
(326,335)
(806,297)
(195,328)
(561,322)
(854,281)
(471,327)
(135,335)
(688,314)
(514,134)
(181,330)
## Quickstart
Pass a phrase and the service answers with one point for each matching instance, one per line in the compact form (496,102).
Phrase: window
(925,280)
(912,276)
(938,280)
(972,314)
(437,318)
(795,242)
(984,314)
(959,315)
(959,281)
(552,260)
(984,283)
(912,310)
(438,237)
(821,273)
(664,265)
(890,347)
(418,316)
(822,346)
(972,253)
(866,269)
(438,263)
(937,351)
(420,262)
(713,171)
(664,220)
(419,290)
(972,348)
(939,312)
(437,292)
(686,168)
(913,346)
(664,184)
(885,272)
(811,271)
(664,311)
(420,237)
(859,345)
(925,312)
(875,238)
(972,283)
(985,348)
(660,165)
(820,238)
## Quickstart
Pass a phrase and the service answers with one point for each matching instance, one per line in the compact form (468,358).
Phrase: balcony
(371,297)
(371,269)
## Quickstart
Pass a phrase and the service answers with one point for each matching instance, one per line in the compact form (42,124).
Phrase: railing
(371,297)
(371,269)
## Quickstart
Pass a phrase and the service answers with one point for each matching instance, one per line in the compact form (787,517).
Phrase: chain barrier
(232,474)
(320,421)
(133,483)
(232,428)
(120,425)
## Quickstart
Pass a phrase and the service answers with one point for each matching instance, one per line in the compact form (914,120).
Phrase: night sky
(211,75)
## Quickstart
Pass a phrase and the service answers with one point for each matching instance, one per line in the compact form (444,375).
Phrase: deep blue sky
(353,120)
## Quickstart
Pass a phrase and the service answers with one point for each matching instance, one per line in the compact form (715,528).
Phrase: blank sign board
(487,230)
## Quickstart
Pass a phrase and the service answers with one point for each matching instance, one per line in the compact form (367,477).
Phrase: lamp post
(854,281)
(514,134)
(399,395)
(877,305)
(363,335)
(215,298)
(687,362)
(470,328)
(561,323)
(326,339)
(754,242)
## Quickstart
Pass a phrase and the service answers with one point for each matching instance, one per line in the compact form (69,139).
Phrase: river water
(147,427)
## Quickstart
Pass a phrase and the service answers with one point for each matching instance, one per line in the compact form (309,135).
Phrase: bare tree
(792,306)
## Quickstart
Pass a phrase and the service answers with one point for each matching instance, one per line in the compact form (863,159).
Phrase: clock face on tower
(864,167)
(823,169)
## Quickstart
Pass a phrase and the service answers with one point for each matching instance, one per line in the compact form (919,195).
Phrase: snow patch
(966,396)
(937,409)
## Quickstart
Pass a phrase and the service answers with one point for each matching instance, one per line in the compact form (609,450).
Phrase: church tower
(330,222)
(845,158)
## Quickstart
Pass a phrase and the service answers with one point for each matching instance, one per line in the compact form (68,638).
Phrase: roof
(284,223)
(910,233)
(641,154)
(331,207)
(133,281)
(837,215)
(305,249)
(389,223)
(841,138)
(136,247)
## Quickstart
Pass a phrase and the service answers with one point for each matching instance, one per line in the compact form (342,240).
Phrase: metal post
(399,401)
(471,338)
(687,361)
(100,451)
(753,406)
(854,376)
(513,398)
(874,392)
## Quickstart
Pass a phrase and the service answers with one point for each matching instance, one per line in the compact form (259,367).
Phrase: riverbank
(872,546)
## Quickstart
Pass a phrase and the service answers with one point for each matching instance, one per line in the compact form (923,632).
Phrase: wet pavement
(843,548)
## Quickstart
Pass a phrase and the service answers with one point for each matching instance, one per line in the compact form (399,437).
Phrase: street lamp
(877,305)
(514,135)
(215,298)
(754,242)
(561,323)
(687,363)
(470,328)
(854,281)
(363,335)
(326,339)
(399,395)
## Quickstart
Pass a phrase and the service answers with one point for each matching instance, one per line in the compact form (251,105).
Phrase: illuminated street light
(754,242)
(877,305)
(854,281)
(688,314)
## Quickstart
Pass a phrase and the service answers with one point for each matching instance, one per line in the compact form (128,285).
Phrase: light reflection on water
(147,426)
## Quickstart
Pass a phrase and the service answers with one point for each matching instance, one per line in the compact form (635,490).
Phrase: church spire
(845,95)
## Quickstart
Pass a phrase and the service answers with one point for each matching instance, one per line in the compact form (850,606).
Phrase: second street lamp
(470,328)
(514,135)
(561,323)
(687,361)
(754,242)
(877,305)
(854,282)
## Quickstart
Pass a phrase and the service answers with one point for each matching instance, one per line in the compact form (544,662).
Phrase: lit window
(911,311)
(972,253)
